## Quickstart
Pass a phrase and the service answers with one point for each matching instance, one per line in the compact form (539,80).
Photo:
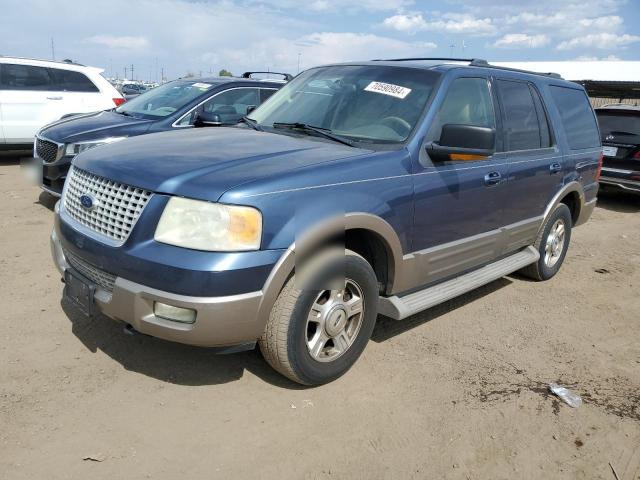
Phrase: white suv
(34,93)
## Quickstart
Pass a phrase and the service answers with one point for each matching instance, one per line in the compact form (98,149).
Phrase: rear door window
(577,117)
(69,81)
(521,124)
(25,77)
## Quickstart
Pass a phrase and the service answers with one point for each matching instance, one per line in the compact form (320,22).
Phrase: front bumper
(220,321)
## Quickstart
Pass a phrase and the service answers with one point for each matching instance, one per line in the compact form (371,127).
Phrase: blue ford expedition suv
(440,176)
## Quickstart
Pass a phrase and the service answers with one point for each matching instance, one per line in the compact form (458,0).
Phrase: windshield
(377,104)
(618,122)
(164,100)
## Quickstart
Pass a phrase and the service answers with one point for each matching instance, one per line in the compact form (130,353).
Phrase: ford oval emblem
(88,202)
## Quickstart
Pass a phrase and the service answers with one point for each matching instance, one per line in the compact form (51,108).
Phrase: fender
(570,187)
(356,220)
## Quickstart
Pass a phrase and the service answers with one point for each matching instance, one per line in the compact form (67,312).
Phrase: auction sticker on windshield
(388,89)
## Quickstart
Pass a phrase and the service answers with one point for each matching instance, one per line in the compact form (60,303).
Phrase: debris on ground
(566,395)
(98,457)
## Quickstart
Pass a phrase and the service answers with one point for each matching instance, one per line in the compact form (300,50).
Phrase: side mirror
(463,142)
(207,119)
(251,108)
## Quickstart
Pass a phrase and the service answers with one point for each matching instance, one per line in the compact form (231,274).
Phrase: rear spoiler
(287,76)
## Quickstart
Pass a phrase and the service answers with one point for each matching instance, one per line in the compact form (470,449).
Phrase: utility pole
(162,75)
(125,73)
(452,47)
(132,77)
(53,50)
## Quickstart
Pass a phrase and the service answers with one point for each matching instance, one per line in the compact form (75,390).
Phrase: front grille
(96,275)
(47,151)
(116,208)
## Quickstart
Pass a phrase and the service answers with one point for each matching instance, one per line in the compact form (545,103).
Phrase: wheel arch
(368,235)
(572,195)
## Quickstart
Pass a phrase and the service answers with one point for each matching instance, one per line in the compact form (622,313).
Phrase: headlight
(73,149)
(209,226)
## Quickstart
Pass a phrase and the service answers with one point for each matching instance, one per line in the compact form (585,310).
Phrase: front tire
(315,336)
(552,244)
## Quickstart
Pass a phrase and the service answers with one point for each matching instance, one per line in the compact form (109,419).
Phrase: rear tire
(315,336)
(552,244)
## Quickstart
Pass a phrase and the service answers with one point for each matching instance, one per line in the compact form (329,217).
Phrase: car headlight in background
(73,149)
(209,226)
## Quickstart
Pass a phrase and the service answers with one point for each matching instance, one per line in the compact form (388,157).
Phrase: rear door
(80,94)
(536,165)
(581,136)
(27,97)
(458,208)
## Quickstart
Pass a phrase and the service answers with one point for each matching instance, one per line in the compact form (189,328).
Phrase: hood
(94,126)
(204,163)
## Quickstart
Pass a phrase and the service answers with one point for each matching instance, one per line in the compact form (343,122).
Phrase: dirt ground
(457,392)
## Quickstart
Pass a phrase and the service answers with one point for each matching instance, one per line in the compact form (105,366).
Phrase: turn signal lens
(119,101)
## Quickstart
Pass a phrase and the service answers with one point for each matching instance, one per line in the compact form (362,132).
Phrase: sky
(203,36)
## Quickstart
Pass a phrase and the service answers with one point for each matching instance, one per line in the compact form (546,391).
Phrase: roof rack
(65,61)
(287,76)
(473,62)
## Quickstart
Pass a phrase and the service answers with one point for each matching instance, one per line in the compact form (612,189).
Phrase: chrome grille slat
(118,205)
(96,275)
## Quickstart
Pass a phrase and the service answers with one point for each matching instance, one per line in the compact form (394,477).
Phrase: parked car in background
(175,105)
(34,93)
(620,133)
(132,90)
(437,177)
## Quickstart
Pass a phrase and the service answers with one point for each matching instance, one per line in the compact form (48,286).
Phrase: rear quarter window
(70,81)
(577,117)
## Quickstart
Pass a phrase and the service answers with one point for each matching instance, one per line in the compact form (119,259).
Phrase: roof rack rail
(473,62)
(509,69)
(287,76)
(66,60)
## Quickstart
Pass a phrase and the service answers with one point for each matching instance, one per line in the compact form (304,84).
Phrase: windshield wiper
(323,132)
(252,123)
(122,112)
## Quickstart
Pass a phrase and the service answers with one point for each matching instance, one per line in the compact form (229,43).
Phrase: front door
(457,203)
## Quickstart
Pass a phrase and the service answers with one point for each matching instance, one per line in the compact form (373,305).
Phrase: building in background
(606,81)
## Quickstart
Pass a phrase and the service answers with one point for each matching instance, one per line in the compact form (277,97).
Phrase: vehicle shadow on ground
(12,158)
(167,361)
(621,202)
(193,366)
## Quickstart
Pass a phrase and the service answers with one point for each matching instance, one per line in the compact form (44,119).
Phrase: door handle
(492,178)
(555,168)
(54,98)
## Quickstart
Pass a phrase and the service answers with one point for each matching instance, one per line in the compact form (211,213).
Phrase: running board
(400,308)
